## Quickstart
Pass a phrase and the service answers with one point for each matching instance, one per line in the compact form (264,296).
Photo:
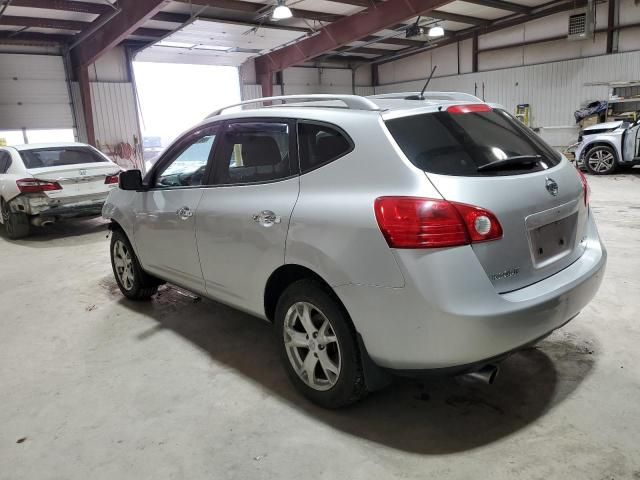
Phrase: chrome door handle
(184,213)
(266,218)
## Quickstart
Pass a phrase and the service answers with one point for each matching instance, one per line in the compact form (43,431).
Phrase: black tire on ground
(348,386)
(601,160)
(134,283)
(16,224)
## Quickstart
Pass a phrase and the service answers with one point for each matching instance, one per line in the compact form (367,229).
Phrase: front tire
(601,160)
(133,282)
(318,346)
(16,224)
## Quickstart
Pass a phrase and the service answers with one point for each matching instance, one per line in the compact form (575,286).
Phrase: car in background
(43,183)
(413,234)
(604,147)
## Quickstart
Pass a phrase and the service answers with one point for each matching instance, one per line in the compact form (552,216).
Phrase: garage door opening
(29,136)
(174,97)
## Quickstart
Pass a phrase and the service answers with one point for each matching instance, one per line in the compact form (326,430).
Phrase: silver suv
(396,233)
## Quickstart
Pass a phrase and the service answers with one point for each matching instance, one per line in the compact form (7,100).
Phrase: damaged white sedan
(41,184)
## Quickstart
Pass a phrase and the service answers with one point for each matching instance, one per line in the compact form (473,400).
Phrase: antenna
(421,96)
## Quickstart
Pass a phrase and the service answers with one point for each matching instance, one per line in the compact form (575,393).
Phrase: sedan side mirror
(131,180)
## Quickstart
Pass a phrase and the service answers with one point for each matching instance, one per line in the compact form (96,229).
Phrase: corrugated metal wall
(34,92)
(114,115)
(554,90)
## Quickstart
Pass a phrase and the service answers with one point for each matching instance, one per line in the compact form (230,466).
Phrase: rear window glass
(459,144)
(59,157)
(319,145)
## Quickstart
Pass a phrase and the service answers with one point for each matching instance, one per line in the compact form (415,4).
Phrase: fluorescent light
(213,47)
(436,31)
(281,11)
(165,43)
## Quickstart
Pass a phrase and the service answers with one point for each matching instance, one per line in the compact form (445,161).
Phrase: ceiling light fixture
(436,31)
(281,11)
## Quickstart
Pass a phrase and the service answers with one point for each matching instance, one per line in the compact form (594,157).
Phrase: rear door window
(254,152)
(459,144)
(320,144)
(59,157)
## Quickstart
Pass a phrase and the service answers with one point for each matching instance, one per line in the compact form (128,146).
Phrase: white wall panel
(446,58)
(34,92)
(111,67)
(466,56)
(114,112)
(115,117)
(554,90)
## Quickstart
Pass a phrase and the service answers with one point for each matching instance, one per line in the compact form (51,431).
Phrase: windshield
(461,144)
(59,157)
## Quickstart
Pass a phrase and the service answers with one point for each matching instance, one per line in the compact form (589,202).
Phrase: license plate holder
(553,241)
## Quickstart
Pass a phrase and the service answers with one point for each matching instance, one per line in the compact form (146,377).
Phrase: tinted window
(255,152)
(320,144)
(188,168)
(59,157)
(5,161)
(458,144)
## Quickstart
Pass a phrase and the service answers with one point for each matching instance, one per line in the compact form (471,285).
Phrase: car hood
(603,126)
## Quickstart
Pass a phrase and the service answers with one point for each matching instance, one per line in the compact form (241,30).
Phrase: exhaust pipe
(486,374)
(43,222)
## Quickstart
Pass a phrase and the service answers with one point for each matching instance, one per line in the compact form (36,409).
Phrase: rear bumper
(449,315)
(44,207)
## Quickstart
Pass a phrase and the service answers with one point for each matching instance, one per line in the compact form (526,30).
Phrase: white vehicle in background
(604,147)
(41,184)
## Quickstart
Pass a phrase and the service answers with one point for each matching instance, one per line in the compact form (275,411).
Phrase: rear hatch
(80,171)
(486,158)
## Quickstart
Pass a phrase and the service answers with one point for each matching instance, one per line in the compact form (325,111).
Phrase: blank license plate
(553,241)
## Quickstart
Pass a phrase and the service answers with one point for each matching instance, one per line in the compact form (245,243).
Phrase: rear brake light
(585,187)
(411,222)
(471,108)
(111,179)
(33,185)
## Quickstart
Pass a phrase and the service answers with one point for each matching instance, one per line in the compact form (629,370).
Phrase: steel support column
(82,73)
(266,81)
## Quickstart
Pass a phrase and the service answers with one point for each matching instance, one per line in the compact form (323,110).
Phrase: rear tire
(318,347)
(601,160)
(16,224)
(134,283)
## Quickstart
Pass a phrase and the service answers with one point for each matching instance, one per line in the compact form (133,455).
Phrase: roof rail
(454,96)
(353,102)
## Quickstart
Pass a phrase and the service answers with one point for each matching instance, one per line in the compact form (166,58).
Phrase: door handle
(184,213)
(266,218)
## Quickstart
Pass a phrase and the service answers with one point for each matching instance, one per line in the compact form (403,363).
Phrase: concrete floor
(93,386)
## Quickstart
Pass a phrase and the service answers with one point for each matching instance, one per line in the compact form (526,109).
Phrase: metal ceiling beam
(133,14)
(252,7)
(7,36)
(454,17)
(43,23)
(344,31)
(66,5)
(365,50)
(501,5)
(489,27)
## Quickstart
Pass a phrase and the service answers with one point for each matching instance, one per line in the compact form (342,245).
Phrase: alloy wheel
(312,346)
(601,161)
(123,262)
(5,218)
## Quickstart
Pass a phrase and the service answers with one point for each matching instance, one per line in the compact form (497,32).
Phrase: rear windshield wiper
(524,160)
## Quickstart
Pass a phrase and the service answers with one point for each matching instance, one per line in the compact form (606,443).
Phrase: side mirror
(131,180)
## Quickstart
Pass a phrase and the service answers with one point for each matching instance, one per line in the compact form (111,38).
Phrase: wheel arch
(601,143)
(284,276)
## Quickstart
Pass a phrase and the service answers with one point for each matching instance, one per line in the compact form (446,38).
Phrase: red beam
(133,14)
(346,30)
(66,5)
(87,109)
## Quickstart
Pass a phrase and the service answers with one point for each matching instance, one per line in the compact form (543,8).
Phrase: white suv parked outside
(398,234)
